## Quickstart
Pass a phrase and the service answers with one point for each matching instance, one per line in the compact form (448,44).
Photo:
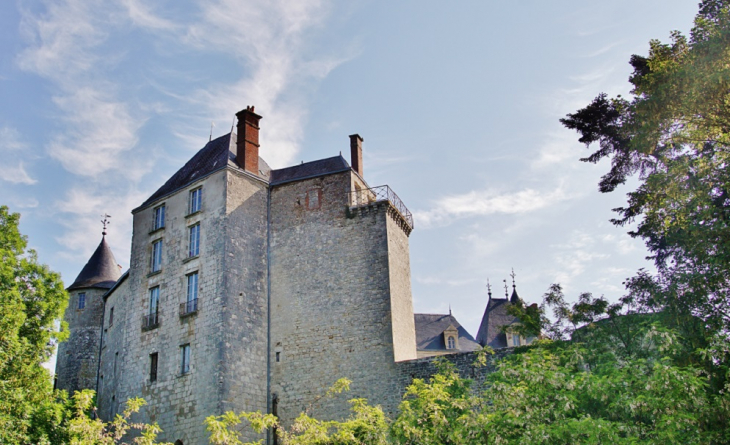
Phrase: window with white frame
(82,300)
(452,343)
(159,217)
(156,256)
(185,359)
(154,300)
(194,243)
(191,302)
(196,200)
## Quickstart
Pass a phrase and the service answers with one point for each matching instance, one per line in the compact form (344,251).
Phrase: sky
(458,103)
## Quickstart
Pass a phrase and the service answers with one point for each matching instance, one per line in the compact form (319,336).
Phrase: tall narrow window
(111,317)
(152,318)
(194,249)
(159,217)
(452,343)
(515,340)
(157,255)
(191,304)
(196,200)
(185,359)
(82,300)
(153,367)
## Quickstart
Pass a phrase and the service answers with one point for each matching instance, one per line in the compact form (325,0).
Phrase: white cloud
(142,15)
(16,174)
(487,202)
(99,131)
(12,149)
(269,38)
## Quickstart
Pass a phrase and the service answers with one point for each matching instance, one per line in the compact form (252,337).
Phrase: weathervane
(506,294)
(489,288)
(105,222)
(513,278)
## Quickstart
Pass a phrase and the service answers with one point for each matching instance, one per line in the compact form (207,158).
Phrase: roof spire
(513,278)
(506,295)
(489,289)
(449,309)
(105,222)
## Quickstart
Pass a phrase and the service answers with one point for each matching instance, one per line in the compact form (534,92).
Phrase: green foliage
(85,429)
(674,133)
(32,299)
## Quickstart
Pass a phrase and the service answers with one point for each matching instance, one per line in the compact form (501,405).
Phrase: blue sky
(458,103)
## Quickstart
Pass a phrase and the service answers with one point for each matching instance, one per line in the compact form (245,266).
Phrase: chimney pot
(247,142)
(356,153)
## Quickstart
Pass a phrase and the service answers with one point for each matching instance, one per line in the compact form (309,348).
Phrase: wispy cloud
(487,202)
(12,150)
(141,15)
(269,39)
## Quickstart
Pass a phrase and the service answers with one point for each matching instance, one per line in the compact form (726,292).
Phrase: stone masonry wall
(242,300)
(112,347)
(77,358)
(178,402)
(330,297)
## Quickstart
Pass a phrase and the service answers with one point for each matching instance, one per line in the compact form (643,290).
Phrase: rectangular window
(157,256)
(515,340)
(191,303)
(159,218)
(194,249)
(82,300)
(196,200)
(111,317)
(153,367)
(185,359)
(152,319)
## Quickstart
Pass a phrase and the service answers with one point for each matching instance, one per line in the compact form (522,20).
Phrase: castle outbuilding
(253,288)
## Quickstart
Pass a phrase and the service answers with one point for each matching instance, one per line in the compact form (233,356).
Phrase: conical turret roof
(100,271)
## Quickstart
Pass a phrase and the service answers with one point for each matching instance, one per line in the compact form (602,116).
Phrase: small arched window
(451,343)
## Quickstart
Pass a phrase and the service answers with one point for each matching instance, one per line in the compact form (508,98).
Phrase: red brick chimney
(356,153)
(247,142)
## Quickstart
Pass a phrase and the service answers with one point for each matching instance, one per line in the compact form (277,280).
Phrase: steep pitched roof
(335,164)
(100,271)
(429,330)
(216,155)
(495,316)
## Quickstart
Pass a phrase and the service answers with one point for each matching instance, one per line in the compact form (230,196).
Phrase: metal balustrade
(382,193)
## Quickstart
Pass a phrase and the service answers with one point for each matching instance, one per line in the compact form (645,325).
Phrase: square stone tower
(256,289)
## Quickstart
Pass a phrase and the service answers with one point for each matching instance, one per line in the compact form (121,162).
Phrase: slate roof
(221,153)
(430,329)
(335,164)
(495,316)
(100,271)
(216,155)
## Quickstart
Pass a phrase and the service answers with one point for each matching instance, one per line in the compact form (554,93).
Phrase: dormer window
(451,343)
(451,337)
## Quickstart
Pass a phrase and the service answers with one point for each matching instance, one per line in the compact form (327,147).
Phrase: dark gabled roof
(335,164)
(216,155)
(430,329)
(495,316)
(100,271)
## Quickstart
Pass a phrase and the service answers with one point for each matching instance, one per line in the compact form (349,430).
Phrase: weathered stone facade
(299,277)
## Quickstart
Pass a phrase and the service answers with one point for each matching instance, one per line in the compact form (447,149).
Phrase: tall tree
(674,134)
(32,300)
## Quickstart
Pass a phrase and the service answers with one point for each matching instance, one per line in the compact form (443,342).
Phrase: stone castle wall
(178,402)
(78,357)
(330,297)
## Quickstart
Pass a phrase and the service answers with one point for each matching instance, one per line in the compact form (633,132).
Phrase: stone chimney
(356,153)
(247,142)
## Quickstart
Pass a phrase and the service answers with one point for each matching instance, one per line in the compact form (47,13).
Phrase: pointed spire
(514,298)
(100,271)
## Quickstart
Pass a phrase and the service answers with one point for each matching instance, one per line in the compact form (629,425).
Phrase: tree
(674,134)
(32,300)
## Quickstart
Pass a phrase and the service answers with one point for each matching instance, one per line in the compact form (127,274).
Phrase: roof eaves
(124,276)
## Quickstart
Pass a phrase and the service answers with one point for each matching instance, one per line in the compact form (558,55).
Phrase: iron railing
(381,193)
(151,321)
(189,307)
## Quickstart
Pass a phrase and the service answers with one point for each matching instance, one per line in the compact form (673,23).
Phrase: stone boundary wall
(424,368)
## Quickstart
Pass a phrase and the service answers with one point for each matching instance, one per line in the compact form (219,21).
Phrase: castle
(256,289)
